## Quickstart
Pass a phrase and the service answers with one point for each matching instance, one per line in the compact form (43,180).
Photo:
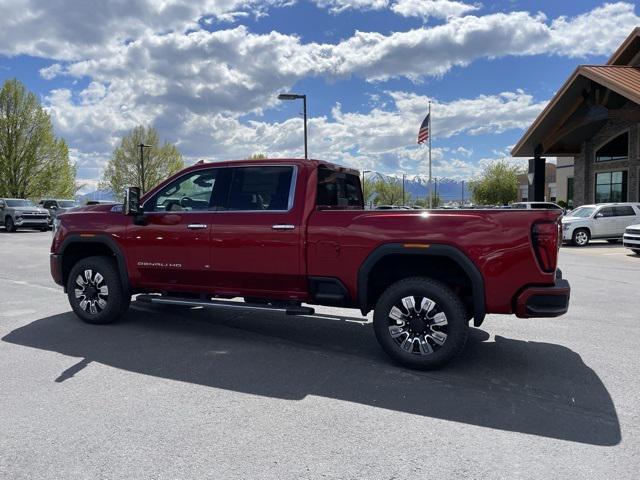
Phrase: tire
(440,319)
(613,240)
(580,237)
(44,229)
(636,251)
(9,225)
(84,283)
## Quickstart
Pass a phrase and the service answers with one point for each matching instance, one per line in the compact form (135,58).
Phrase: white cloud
(381,139)
(58,30)
(405,8)
(338,6)
(432,8)
(195,87)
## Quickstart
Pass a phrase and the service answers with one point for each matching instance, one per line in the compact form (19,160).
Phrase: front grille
(33,216)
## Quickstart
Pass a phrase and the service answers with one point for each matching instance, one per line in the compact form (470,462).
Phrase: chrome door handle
(196,226)
(282,226)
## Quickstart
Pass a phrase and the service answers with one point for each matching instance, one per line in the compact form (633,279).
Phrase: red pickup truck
(278,233)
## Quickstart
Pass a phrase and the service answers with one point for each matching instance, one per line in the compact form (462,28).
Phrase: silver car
(19,213)
(606,221)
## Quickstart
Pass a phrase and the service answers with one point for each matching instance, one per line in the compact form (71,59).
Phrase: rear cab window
(338,190)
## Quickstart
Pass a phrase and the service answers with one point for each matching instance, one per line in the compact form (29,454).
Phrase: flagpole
(430,185)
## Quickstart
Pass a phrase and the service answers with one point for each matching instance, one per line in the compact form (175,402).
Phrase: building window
(570,192)
(611,187)
(615,149)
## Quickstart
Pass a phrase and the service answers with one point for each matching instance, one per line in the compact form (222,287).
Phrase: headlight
(55,225)
(565,226)
(19,212)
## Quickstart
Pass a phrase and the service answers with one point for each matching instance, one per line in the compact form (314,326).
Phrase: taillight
(546,241)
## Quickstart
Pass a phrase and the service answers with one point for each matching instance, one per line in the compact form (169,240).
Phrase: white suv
(604,221)
(631,238)
(530,205)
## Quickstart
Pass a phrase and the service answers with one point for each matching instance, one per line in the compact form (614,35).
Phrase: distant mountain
(450,190)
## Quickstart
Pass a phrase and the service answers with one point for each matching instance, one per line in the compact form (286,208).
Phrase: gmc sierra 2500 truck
(279,233)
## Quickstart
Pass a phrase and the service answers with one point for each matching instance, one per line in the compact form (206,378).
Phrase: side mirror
(53,207)
(132,201)
(599,215)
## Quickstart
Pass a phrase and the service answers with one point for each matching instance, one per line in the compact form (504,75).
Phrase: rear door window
(268,188)
(626,211)
(338,189)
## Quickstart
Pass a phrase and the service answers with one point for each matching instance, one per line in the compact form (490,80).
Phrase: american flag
(423,133)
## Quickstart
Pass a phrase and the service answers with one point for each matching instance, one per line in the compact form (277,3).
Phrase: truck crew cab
(280,233)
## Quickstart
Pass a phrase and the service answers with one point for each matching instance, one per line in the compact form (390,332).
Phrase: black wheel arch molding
(100,239)
(433,250)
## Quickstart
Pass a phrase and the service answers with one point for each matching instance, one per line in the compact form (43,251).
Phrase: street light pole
(142,147)
(304,109)
(296,96)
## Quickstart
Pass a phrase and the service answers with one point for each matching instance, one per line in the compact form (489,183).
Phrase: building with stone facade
(595,118)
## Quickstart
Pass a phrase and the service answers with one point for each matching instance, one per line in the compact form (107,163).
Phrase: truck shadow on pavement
(528,387)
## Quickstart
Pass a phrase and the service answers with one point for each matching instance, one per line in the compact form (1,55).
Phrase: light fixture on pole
(295,96)
(142,147)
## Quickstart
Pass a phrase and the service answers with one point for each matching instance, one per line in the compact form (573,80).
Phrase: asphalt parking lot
(186,393)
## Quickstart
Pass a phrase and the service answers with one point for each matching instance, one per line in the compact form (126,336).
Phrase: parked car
(20,213)
(57,206)
(99,202)
(606,221)
(283,232)
(631,238)
(530,205)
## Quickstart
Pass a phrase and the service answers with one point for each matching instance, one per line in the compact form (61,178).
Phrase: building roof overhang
(554,132)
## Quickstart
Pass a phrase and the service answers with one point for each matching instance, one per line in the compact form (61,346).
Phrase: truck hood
(102,207)
(575,219)
(38,210)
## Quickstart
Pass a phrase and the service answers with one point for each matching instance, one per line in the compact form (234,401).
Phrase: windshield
(20,203)
(68,203)
(581,212)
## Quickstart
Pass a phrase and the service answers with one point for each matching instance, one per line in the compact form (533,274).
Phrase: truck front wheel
(95,292)
(420,323)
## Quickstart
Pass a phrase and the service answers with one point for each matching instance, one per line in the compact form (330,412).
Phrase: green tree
(33,162)
(257,156)
(124,169)
(388,191)
(497,185)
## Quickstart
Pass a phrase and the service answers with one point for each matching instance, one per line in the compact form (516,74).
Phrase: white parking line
(21,282)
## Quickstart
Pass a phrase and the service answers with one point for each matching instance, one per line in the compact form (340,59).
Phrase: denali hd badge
(159,265)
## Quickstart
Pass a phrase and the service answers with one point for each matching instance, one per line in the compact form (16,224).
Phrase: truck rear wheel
(95,292)
(420,323)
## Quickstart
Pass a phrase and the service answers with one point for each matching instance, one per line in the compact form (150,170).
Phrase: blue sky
(206,73)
